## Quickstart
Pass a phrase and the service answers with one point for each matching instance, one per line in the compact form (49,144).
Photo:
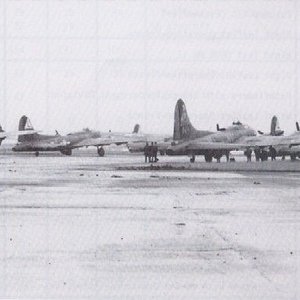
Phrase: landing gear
(193,158)
(67,152)
(218,157)
(208,158)
(162,153)
(100,151)
(264,155)
(227,156)
(293,157)
(37,153)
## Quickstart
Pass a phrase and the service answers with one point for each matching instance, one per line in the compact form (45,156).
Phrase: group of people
(150,152)
(261,154)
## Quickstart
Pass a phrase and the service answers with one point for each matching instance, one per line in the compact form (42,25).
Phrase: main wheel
(192,159)
(101,151)
(67,152)
(293,157)
(37,153)
(208,158)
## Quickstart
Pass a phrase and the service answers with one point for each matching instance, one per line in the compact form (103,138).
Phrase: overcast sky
(70,64)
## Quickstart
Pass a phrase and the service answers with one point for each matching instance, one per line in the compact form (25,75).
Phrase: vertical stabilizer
(136,128)
(183,128)
(1,139)
(275,128)
(25,124)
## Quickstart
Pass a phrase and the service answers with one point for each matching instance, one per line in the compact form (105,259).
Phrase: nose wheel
(100,151)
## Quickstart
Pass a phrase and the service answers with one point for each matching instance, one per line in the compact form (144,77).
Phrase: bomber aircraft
(235,137)
(65,144)
(193,142)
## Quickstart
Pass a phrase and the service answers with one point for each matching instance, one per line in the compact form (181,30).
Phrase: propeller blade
(260,132)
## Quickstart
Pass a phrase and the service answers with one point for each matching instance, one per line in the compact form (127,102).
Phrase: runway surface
(81,227)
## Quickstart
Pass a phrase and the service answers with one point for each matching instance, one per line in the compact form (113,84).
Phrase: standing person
(151,154)
(155,151)
(248,154)
(146,152)
(257,154)
(273,153)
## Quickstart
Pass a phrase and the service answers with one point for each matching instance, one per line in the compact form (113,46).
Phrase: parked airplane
(194,142)
(65,144)
(240,137)
(210,144)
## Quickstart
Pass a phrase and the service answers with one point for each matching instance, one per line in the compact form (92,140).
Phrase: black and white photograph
(150,149)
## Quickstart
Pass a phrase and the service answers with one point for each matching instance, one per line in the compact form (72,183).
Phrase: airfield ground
(107,228)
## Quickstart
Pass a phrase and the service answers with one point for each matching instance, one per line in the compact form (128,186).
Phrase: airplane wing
(212,146)
(274,142)
(103,141)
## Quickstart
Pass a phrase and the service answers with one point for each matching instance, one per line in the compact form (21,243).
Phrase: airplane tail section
(136,128)
(25,124)
(2,138)
(183,128)
(275,128)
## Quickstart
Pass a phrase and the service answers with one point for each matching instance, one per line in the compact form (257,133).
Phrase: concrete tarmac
(104,228)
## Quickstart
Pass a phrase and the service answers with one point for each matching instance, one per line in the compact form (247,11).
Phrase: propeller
(297,126)
(260,132)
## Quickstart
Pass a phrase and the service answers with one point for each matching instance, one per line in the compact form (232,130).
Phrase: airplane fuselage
(231,135)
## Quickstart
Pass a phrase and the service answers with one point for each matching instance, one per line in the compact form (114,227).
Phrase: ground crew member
(273,153)
(248,154)
(257,154)
(151,152)
(155,151)
(146,152)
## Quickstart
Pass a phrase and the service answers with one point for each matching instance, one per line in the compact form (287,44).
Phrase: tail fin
(136,128)
(275,128)
(297,126)
(3,138)
(25,124)
(183,128)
